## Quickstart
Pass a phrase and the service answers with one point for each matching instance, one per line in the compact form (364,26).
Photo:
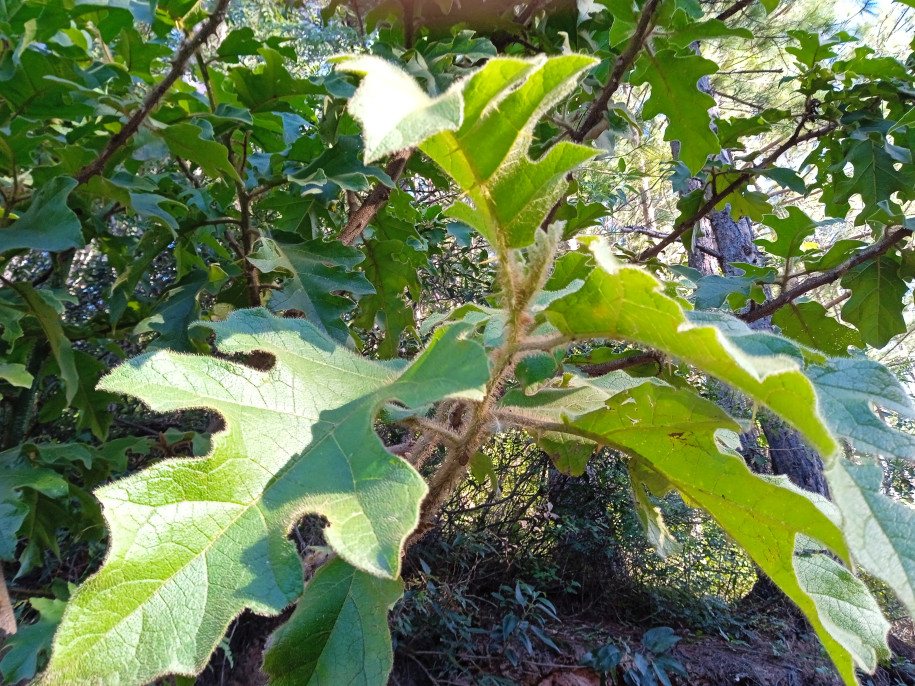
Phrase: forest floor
(780,652)
(763,659)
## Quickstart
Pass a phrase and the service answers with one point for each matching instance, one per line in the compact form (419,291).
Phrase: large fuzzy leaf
(626,303)
(671,433)
(195,541)
(339,632)
(572,398)
(879,530)
(486,150)
(848,389)
(846,608)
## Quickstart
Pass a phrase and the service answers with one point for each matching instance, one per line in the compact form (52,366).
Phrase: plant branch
(745,175)
(769,307)
(179,63)
(599,105)
(359,219)
(734,9)
(602,368)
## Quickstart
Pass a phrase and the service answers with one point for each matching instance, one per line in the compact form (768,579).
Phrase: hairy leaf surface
(338,633)
(486,150)
(878,529)
(625,303)
(195,541)
(672,433)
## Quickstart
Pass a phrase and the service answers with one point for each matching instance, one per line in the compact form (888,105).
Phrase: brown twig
(623,63)
(879,248)
(745,175)
(734,9)
(602,368)
(179,63)
(359,219)
(660,234)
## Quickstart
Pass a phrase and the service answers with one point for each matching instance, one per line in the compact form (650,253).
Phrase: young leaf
(339,632)
(653,523)
(195,541)
(486,153)
(395,112)
(16,374)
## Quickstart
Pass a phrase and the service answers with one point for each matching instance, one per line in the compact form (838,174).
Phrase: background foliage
(517,270)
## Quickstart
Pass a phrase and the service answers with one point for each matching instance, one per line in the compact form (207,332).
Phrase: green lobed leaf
(14,508)
(338,633)
(875,306)
(172,316)
(269,86)
(625,303)
(391,267)
(319,270)
(32,642)
(809,323)
(674,93)
(91,404)
(791,232)
(44,307)
(195,541)
(875,177)
(187,141)
(48,224)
